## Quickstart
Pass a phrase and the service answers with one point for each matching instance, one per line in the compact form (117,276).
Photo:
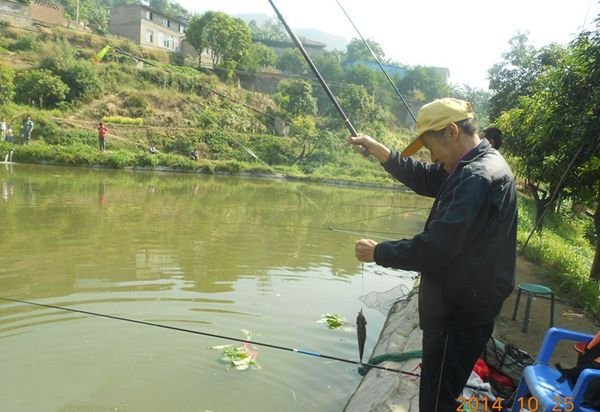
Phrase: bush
(71,137)
(122,120)
(40,87)
(24,43)
(7,85)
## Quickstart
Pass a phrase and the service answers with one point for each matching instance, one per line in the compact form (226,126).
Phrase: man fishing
(467,251)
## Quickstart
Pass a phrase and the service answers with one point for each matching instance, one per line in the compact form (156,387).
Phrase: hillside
(146,101)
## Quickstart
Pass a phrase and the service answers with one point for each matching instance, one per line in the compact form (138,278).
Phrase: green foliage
(123,120)
(330,66)
(227,39)
(561,247)
(515,75)
(66,137)
(333,321)
(7,84)
(40,87)
(258,57)
(296,98)
(557,119)
(24,43)
(291,61)
(80,75)
(427,82)
(271,29)
(356,51)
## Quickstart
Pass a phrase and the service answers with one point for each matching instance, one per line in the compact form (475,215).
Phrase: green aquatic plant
(333,321)
(239,357)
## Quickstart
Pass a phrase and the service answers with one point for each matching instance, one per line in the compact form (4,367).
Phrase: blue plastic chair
(543,384)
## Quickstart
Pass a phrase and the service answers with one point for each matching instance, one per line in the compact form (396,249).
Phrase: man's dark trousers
(448,358)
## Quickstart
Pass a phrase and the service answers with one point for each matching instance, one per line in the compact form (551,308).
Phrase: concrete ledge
(383,391)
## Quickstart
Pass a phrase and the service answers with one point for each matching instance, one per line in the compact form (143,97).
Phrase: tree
(330,66)
(558,126)
(258,57)
(40,87)
(296,98)
(357,103)
(357,51)
(269,30)
(80,75)
(226,39)
(426,83)
(291,61)
(7,85)
(514,76)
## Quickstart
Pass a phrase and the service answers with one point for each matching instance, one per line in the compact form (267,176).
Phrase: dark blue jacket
(467,252)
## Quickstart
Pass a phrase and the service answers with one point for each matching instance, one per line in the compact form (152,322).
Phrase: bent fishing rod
(378,61)
(212,335)
(314,69)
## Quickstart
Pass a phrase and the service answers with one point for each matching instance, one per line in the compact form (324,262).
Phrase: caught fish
(361,333)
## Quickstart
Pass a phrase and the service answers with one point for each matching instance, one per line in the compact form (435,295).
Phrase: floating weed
(239,357)
(333,321)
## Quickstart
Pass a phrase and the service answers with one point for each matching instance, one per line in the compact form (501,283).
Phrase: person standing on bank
(102,131)
(26,130)
(466,253)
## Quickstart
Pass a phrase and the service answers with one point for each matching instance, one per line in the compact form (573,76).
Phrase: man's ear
(452,131)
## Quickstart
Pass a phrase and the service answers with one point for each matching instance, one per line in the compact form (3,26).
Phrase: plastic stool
(532,290)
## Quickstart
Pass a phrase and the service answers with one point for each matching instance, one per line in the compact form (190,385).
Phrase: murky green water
(212,254)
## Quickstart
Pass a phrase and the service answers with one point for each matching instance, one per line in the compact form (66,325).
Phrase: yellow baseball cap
(436,116)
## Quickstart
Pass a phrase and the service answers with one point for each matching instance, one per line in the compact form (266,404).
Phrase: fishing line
(212,335)
(378,62)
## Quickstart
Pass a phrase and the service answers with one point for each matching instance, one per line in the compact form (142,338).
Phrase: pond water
(213,254)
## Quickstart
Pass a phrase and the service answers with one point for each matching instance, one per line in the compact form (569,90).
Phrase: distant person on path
(9,135)
(26,130)
(3,129)
(466,253)
(102,131)
(494,136)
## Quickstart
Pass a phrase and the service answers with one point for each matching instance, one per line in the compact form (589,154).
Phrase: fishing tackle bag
(507,359)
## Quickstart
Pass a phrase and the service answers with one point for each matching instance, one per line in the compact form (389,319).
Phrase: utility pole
(77,14)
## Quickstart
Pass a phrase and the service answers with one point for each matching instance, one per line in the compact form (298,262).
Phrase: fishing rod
(212,335)
(314,69)
(378,62)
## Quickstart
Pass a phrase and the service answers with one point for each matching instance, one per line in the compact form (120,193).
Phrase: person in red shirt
(102,131)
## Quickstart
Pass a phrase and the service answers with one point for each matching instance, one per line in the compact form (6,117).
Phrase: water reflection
(216,253)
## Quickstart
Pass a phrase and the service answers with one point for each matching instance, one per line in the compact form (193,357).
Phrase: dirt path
(565,316)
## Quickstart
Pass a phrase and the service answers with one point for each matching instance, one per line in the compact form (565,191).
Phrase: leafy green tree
(258,57)
(558,126)
(515,74)
(357,103)
(357,51)
(361,75)
(225,38)
(330,66)
(296,98)
(270,30)
(80,75)
(7,85)
(291,61)
(41,87)
(424,83)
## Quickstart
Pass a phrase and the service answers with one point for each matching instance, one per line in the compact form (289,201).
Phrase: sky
(466,36)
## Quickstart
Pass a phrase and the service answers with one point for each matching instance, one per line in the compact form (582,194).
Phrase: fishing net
(383,301)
